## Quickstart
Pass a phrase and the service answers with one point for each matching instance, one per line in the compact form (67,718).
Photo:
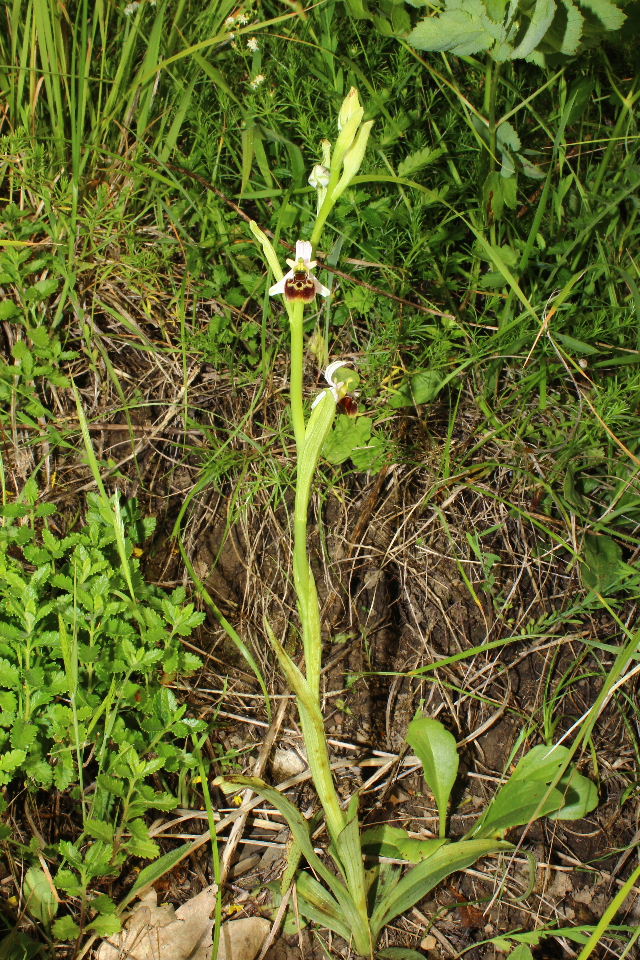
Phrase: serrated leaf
(64,771)
(609,15)
(8,705)
(541,19)
(23,734)
(41,772)
(570,39)
(419,159)
(111,785)
(11,760)
(8,310)
(66,929)
(99,830)
(9,673)
(460,31)
(507,138)
(105,925)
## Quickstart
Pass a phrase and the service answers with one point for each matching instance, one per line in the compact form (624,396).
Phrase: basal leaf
(517,803)
(422,878)
(316,903)
(436,749)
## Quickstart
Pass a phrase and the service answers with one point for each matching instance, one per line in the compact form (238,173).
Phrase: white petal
(277,288)
(319,288)
(318,399)
(331,369)
(303,250)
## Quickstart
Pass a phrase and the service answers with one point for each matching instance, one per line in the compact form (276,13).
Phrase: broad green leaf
(348,434)
(517,803)
(460,31)
(528,793)
(422,878)
(602,566)
(105,925)
(436,749)
(610,15)
(521,952)
(10,761)
(421,387)
(581,796)
(543,763)
(40,895)
(507,138)
(23,734)
(395,843)
(9,673)
(541,19)
(68,881)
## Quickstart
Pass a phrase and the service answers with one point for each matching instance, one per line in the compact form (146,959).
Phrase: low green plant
(88,652)
(355,902)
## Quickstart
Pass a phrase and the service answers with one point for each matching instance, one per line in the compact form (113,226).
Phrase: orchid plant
(352,901)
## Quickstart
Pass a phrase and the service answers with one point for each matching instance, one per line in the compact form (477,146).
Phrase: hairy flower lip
(299,283)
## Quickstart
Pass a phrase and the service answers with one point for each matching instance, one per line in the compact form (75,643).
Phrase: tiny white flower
(299,283)
(253,44)
(131,8)
(242,19)
(257,80)
(229,22)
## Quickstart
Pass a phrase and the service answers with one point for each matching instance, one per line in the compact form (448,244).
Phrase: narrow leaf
(422,878)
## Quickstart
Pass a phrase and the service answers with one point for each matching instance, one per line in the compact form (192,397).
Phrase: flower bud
(350,106)
(353,158)
(319,177)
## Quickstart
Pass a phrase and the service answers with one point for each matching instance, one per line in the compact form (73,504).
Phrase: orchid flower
(299,283)
(339,387)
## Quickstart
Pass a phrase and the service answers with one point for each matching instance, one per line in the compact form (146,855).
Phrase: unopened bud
(353,158)
(319,176)
(350,106)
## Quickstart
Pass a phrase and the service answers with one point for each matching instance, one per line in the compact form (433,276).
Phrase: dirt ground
(401,591)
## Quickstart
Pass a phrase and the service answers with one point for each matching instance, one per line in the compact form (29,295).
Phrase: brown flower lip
(300,286)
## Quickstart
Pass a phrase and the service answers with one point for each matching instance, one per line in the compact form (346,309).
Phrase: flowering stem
(296,323)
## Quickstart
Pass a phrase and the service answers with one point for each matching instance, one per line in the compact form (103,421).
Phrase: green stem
(296,323)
